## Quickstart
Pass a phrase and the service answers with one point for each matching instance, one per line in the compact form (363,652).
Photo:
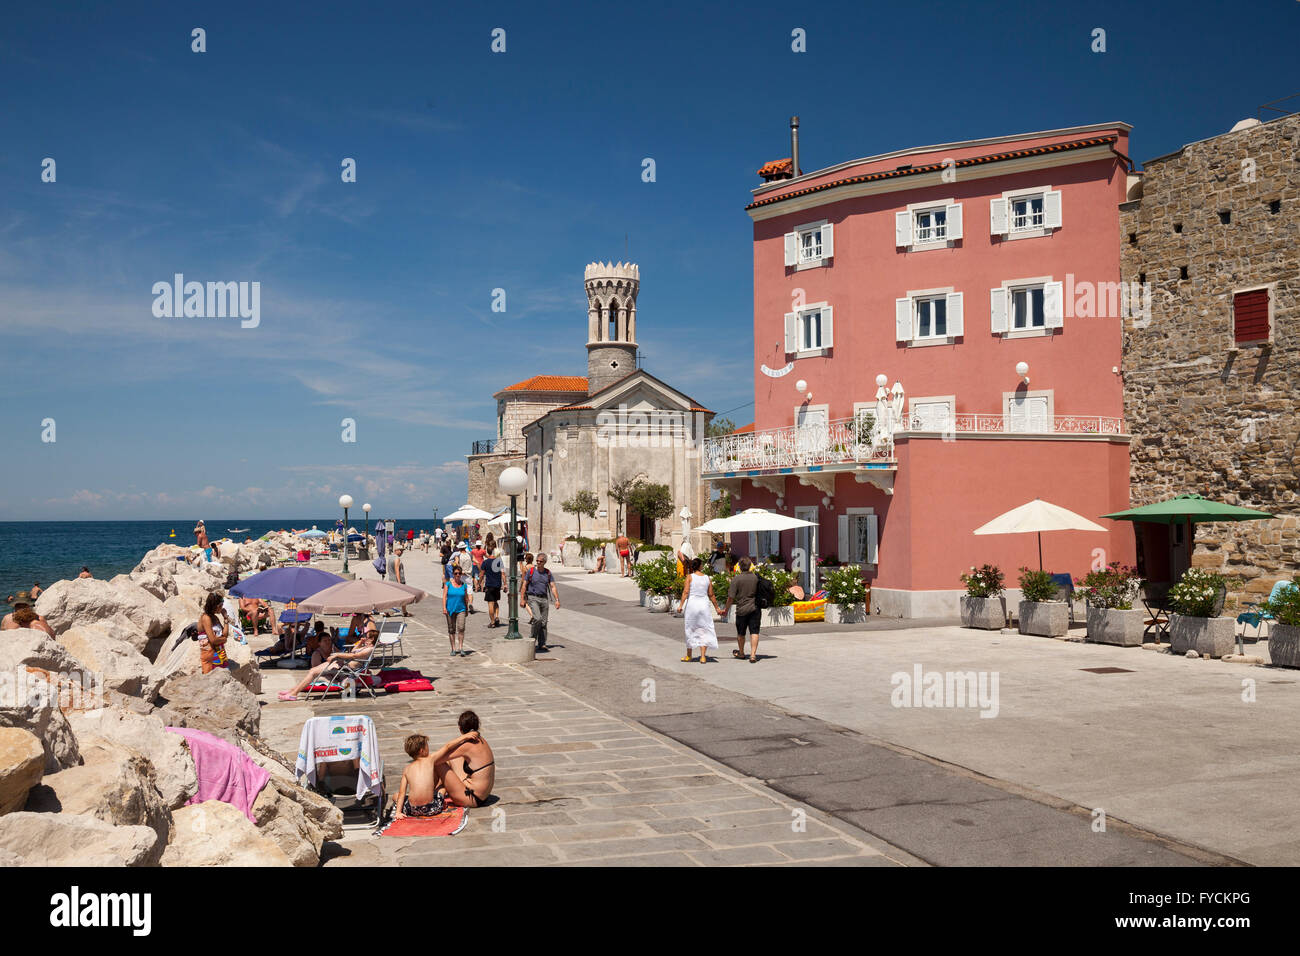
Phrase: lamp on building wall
(1022,370)
(881,380)
(802,386)
(780,503)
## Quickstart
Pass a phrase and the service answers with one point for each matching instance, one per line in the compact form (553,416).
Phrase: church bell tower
(611,322)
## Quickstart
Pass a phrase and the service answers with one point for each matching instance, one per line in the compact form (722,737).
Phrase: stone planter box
(659,603)
(1044,618)
(987,613)
(589,559)
(1284,644)
(570,554)
(1215,636)
(777,617)
(1108,625)
(643,598)
(846,613)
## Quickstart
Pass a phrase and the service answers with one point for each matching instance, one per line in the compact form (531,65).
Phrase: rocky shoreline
(89,776)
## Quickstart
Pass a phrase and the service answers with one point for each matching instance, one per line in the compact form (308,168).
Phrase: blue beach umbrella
(285,584)
(313,533)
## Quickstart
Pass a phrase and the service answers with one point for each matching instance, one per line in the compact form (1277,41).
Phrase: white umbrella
(754,519)
(503,519)
(468,513)
(1038,516)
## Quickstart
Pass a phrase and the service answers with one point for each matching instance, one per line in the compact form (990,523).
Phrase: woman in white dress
(698,608)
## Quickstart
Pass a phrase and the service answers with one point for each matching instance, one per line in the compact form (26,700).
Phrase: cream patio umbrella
(753,519)
(468,513)
(1038,516)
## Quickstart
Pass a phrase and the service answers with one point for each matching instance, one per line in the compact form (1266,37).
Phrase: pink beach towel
(225,772)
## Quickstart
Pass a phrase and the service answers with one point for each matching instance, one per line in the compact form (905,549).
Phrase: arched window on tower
(613,320)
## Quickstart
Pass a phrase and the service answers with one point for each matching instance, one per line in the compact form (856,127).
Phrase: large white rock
(215,702)
(69,839)
(158,579)
(173,768)
(112,785)
(298,820)
(213,833)
(163,554)
(122,667)
(22,761)
(87,600)
(46,722)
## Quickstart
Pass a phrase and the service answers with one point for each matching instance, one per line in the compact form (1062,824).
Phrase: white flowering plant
(1197,593)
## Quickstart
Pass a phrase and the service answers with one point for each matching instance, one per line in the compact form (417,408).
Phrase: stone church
(573,434)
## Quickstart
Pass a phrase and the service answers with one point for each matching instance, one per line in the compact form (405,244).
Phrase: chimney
(794,145)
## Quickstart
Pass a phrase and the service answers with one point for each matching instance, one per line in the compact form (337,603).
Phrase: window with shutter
(792,248)
(903,229)
(932,416)
(857,531)
(1029,413)
(791,332)
(903,319)
(1251,321)
(813,244)
(998,310)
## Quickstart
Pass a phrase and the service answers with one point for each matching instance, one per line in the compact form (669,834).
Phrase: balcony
(498,446)
(856,445)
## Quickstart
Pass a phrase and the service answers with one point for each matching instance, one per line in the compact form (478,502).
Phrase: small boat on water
(236,531)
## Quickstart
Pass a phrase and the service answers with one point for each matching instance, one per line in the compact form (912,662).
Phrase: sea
(49,551)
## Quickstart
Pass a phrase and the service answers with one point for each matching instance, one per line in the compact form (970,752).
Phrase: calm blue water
(48,551)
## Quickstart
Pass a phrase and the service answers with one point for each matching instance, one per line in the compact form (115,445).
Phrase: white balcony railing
(848,441)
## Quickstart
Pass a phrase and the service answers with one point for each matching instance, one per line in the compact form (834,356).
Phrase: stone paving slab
(575,785)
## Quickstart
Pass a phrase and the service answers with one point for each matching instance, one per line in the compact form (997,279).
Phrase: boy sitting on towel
(419,794)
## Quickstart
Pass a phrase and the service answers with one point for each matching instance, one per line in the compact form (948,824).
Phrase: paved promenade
(576,785)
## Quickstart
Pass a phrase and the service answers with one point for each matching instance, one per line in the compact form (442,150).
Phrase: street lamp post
(345,502)
(366,509)
(513,482)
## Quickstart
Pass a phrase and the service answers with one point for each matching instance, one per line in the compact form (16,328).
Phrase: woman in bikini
(212,628)
(337,664)
(469,772)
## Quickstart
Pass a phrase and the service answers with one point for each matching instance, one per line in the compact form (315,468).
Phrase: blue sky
(475,171)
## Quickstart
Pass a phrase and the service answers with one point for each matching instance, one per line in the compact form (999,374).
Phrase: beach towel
(409,685)
(388,675)
(225,772)
(448,823)
(327,739)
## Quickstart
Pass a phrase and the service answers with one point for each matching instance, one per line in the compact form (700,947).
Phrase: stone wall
(484,471)
(1206,417)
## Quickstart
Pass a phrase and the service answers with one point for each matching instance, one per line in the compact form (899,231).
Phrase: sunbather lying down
(336,665)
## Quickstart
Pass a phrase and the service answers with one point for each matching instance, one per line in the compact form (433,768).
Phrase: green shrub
(1114,587)
(1037,585)
(781,583)
(1285,608)
(983,582)
(721,584)
(844,585)
(588,545)
(659,576)
(1196,593)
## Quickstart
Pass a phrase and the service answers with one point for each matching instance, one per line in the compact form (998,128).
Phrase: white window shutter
(903,228)
(1053,307)
(1036,414)
(873,533)
(955,314)
(828,327)
(903,319)
(791,332)
(792,248)
(844,554)
(1052,209)
(753,547)
(954,221)
(998,217)
(1017,415)
(998,310)
(828,241)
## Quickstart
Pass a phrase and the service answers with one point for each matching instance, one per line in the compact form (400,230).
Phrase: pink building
(937,339)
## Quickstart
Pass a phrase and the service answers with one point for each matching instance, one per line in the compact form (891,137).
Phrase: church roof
(550,383)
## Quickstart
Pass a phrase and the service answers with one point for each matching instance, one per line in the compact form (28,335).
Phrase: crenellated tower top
(612,289)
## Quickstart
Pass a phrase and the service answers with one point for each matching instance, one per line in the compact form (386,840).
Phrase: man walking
(541,585)
(742,593)
(624,548)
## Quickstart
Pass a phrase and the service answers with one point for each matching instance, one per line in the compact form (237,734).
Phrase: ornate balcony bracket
(733,486)
(821,480)
(880,477)
(772,483)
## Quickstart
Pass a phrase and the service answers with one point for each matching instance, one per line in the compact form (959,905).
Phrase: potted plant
(780,614)
(847,595)
(1284,630)
(1040,612)
(775,561)
(659,580)
(983,605)
(1110,593)
(570,552)
(1195,625)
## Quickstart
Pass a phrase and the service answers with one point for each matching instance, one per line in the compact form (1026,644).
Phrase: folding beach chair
(1065,591)
(347,679)
(1254,617)
(339,758)
(390,640)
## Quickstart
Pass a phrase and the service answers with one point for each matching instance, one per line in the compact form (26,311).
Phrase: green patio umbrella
(1193,509)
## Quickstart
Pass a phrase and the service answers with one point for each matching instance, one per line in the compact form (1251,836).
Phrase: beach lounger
(339,758)
(348,680)
(390,639)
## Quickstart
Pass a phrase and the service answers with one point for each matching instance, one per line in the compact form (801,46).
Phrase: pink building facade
(937,338)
